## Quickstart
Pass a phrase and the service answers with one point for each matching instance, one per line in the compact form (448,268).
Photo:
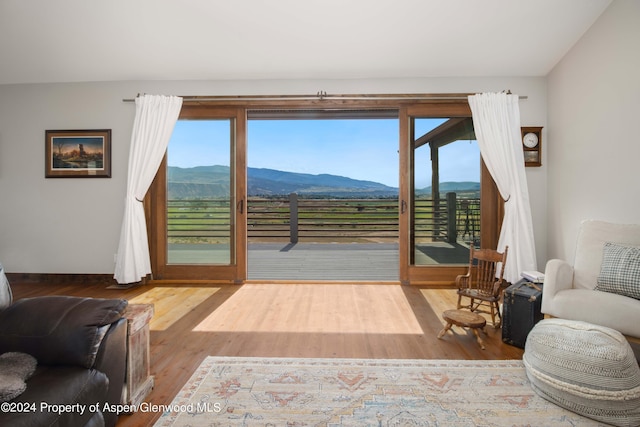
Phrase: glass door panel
(200,215)
(445,183)
(196,201)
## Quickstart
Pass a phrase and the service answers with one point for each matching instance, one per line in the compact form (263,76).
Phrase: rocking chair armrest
(463,280)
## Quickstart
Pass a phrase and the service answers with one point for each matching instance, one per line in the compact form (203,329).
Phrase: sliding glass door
(201,199)
(444,190)
(197,206)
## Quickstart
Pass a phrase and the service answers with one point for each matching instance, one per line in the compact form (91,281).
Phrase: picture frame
(78,153)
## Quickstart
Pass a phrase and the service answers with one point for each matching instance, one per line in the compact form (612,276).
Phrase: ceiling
(116,40)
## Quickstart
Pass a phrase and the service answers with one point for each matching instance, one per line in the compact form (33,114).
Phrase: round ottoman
(588,369)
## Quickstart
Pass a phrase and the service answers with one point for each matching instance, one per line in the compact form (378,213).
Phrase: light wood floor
(303,320)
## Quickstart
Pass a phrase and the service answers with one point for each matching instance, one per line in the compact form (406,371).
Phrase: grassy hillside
(205,182)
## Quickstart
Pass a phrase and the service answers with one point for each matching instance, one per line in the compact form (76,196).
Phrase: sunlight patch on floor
(440,299)
(171,304)
(325,309)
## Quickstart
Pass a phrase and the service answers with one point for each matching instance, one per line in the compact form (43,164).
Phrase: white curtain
(496,120)
(156,116)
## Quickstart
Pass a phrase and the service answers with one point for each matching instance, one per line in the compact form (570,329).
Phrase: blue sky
(359,149)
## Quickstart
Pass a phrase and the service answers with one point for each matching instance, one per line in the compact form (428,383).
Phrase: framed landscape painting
(78,153)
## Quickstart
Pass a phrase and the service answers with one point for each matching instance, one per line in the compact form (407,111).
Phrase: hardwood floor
(270,320)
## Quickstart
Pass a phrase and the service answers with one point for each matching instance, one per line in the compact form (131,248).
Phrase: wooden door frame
(156,202)
(491,205)
(491,208)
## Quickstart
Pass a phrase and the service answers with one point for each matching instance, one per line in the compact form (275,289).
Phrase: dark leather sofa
(80,346)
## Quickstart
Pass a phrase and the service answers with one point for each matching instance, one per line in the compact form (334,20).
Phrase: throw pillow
(5,290)
(620,270)
(15,369)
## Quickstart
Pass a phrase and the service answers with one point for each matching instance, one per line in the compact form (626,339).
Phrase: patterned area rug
(353,392)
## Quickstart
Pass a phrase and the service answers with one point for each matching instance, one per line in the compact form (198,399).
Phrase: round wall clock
(532,145)
(530,140)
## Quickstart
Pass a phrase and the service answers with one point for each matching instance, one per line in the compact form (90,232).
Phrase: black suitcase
(521,307)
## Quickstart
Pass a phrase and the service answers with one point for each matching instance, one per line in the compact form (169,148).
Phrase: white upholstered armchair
(607,257)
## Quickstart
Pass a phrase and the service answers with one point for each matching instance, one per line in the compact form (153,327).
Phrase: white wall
(593,115)
(73,225)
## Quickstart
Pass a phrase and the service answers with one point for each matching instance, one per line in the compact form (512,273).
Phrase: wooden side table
(465,319)
(138,380)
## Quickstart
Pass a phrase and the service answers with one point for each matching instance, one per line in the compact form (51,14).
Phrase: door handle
(403,207)
(241,206)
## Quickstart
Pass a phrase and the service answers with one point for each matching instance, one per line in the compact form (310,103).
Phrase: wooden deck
(317,261)
(322,261)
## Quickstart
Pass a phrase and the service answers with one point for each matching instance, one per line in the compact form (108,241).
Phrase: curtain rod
(324,96)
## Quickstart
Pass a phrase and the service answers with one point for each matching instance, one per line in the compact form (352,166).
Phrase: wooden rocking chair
(481,284)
